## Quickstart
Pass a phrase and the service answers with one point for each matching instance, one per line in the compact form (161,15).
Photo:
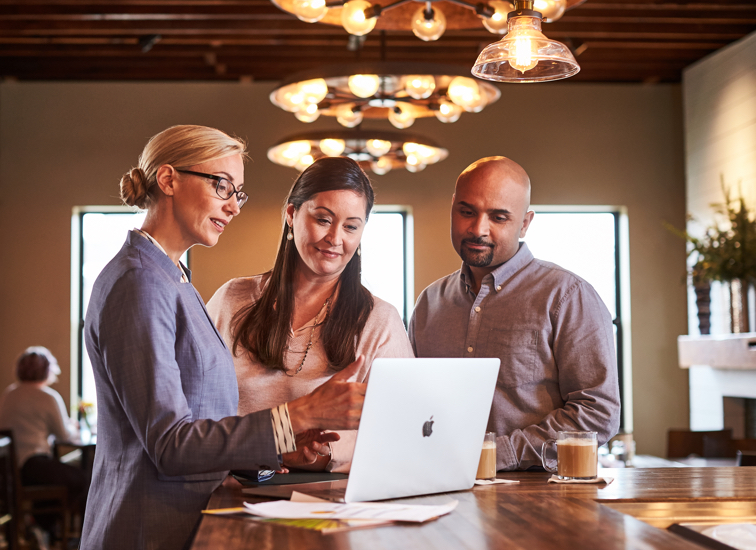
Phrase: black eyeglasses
(223,188)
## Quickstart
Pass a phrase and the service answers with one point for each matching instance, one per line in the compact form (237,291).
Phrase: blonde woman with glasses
(168,430)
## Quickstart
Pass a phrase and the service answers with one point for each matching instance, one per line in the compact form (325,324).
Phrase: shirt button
(477,309)
(498,288)
(470,349)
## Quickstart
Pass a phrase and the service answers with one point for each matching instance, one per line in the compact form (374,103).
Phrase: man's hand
(335,405)
(313,452)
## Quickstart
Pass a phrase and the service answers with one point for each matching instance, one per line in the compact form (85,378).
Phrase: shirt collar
(184,275)
(521,258)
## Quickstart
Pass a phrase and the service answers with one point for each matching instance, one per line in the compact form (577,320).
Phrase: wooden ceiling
(221,40)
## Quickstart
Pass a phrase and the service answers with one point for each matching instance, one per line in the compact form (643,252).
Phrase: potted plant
(726,253)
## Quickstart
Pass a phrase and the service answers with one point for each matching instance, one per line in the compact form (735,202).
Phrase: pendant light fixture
(378,151)
(524,54)
(428,21)
(397,91)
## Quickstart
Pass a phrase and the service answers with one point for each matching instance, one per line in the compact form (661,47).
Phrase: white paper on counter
(738,535)
(283,509)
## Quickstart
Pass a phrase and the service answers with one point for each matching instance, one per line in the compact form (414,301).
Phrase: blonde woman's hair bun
(134,188)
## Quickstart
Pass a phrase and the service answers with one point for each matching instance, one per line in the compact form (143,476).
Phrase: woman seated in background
(34,412)
(294,327)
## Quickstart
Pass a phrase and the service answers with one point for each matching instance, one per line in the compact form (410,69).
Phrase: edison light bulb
(313,91)
(401,116)
(523,58)
(332,147)
(414,164)
(448,111)
(378,147)
(348,117)
(293,151)
(309,11)
(353,17)
(551,10)
(290,97)
(427,154)
(309,113)
(497,23)
(303,162)
(381,166)
(464,91)
(364,85)
(428,29)
(419,86)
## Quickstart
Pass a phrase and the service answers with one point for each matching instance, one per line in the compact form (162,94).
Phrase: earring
(359,250)
(290,236)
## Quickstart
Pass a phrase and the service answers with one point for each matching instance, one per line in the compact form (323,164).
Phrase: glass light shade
(353,18)
(303,162)
(448,111)
(381,166)
(414,164)
(290,97)
(428,29)
(551,10)
(332,147)
(497,23)
(428,154)
(364,85)
(314,91)
(289,153)
(419,86)
(464,92)
(378,147)
(401,116)
(347,117)
(525,55)
(309,11)
(309,113)
(417,153)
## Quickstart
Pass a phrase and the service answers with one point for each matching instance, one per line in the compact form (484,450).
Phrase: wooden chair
(37,499)
(746,458)
(8,515)
(712,444)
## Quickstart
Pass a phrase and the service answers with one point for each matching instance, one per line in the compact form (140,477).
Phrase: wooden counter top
(532,515)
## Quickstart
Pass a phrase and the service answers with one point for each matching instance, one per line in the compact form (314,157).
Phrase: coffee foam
(577,442)
(489,444)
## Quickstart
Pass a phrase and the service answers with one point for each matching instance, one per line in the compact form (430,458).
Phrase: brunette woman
(294,327)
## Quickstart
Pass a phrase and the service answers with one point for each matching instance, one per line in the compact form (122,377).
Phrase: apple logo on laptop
(428,427)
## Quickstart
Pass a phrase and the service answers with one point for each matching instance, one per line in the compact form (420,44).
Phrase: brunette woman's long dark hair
(263,328)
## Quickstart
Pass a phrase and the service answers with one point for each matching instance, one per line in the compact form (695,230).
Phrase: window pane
(103,236)
(383,253)
(583,243)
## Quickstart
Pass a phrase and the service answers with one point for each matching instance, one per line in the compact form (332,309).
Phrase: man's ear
(165,177)
(526,223)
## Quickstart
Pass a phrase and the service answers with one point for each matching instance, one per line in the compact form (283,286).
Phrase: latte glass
(577,455)
(487,464)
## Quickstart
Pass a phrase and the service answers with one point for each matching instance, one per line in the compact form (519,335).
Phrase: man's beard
(477,259)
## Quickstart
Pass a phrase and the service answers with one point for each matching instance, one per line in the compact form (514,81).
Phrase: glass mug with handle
(577,455)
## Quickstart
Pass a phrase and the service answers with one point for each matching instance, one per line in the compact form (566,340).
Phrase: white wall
(720,143)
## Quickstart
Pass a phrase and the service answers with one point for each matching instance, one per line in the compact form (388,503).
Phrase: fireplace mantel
(725,351)
(720,366)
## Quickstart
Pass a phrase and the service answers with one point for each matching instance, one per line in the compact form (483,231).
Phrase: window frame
(409,253)
(622,295)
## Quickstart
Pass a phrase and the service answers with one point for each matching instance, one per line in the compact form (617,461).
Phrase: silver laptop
(422,427)
(421,431)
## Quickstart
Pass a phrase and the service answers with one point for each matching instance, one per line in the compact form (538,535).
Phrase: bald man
(548,326)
